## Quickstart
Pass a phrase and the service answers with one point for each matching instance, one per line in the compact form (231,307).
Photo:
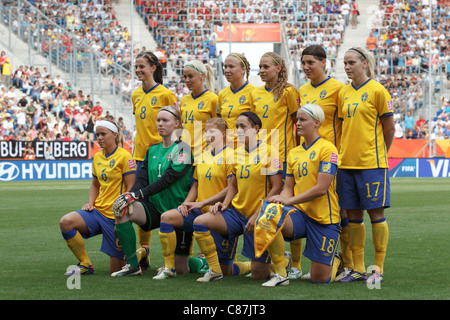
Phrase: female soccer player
(211,178)
(276,104)
(148,99)
(310,189)
(255,176)
(323,91)
(236,98)
(366,110)
(198,106)
(162,184)
(114,170)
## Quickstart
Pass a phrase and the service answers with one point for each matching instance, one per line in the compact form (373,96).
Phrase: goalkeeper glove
(123,202)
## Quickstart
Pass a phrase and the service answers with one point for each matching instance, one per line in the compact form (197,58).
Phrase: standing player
(198,106)
(236,98)
(162,184)
(276,104)
(114,170)
(323,91)
(148,99)
(211,178)
(256,176)
(310,189)
(366,110)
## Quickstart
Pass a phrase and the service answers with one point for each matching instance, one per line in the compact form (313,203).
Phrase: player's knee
(66,223)
(202,220)
(260,270)
(172,217)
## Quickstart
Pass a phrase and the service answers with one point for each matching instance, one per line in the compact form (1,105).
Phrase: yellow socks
(144,237)
(207,246)
(75,242)
(241,267)
(357,239)
(168,239)
(346,252)
(380,235)
(296,253)
(276,252)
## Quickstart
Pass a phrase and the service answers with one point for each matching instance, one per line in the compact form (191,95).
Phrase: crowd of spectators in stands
(185,30)
(35,105)
(400,41)
(91,22)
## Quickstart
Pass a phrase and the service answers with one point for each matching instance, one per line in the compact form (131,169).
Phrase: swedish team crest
(112,163)
(312,155)
(242,99)
(200,105)
(270,221)
(364,97)
(154,100)
(323,94)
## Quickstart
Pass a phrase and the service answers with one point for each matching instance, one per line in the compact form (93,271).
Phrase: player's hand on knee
(124,202)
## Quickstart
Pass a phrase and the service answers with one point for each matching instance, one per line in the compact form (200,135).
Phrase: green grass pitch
(34,255)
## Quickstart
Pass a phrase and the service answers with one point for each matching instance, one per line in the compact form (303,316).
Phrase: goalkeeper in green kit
(163,184)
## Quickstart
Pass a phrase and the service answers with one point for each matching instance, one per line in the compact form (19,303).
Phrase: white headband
(109,125)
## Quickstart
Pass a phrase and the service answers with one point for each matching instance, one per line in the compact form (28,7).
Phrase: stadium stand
(96,42)
(399,41)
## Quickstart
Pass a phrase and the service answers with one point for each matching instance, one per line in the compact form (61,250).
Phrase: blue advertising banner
(27,170)
(420,167)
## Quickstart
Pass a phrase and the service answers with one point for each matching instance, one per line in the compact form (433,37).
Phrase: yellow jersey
(197,109)
(325,95)
(233,103)
(146,106)
(109,169)
(304,165)
(277,115)
(212,173)
(360,109)
(252,169)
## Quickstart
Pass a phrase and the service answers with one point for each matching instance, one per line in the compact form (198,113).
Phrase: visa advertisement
(420,167)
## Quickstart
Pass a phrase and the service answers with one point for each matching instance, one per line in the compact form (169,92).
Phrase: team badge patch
(131,164)
(182,157)
(270,220)
(390,105)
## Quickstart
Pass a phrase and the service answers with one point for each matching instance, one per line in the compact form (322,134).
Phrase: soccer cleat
(128,270)
(276,281)
(211,276)
(294,273)
(80,269)
(375,277)
(165,273)
(306,276)
(145,262)
(343,274)
(354,276)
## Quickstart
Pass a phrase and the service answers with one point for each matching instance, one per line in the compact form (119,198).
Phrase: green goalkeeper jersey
(165,176)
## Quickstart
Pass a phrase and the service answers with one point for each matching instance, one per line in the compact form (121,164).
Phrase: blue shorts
(363,189)
(97,223)
(321,239)
(236,223)
(225,245)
